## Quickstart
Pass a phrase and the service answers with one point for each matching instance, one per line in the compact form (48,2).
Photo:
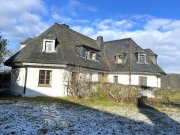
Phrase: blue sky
(152,24)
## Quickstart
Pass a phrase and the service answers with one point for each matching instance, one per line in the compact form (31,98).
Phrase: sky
(151,24)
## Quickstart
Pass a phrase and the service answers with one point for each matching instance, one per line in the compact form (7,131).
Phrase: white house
(41,64)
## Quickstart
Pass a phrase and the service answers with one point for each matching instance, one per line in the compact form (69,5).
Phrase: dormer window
(93,55)
(48,46)
(142,58)
(89,54)
(119,58)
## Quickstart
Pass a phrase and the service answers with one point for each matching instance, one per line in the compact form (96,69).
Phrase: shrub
(115,92)
(168,94)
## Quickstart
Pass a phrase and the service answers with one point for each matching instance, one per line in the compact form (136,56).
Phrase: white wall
(152,80)
(32,89)
(57,83)
(123,79)
(95,77)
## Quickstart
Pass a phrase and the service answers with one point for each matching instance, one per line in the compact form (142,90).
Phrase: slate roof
(128,46)
(27,41)
(67,41)
(150,52)
(66,53)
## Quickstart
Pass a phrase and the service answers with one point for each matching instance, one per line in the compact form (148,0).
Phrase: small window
(87,54)
(48,46)
(83,52)
(45,77)
(118,58)
(94,56)
(115,79)
(90,77)
(142,81)
(74,76)
(142,58)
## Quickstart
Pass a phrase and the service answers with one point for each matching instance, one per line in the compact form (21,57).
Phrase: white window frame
(94,55)
(139,55)
(117,58)
(44,45)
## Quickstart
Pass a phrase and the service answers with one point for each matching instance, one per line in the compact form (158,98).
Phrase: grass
(65,100)
(165,99)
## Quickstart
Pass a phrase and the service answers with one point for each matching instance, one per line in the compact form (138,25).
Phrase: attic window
(142,58)
(119,58)
(87,54)
(93,55)
(48,46)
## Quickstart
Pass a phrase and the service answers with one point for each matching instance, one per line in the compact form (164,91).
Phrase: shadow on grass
(75,118)
(160,120)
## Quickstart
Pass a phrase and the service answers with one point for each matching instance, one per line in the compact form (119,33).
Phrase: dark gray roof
(66,53)
(27,41)
(67,41)
(128,46)
(149,52)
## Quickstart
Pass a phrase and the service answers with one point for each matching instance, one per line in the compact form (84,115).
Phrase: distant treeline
(171,81)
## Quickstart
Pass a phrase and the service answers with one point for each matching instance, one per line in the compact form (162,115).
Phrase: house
(39,67)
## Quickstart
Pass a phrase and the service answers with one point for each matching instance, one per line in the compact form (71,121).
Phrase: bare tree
(4,52)
(77,80)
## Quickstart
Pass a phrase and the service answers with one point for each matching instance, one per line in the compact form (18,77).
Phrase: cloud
(73,7)
(108,24)
(20,19)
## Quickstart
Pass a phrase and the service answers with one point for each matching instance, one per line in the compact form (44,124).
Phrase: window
(115,79)
(90,77)
(118,58)
(48,46)
(74,76)
(45,77)
(87,54)
(142,58)
(142,81)
(93,55)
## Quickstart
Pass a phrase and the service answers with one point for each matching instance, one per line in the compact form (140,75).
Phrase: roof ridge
(68,28)
(118,40)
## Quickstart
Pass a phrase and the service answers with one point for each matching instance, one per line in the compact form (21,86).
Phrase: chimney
(65,25)
(99,42)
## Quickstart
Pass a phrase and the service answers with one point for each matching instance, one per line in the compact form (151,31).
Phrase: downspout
(25,80)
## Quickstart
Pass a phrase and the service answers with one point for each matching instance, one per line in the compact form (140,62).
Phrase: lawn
(68,116)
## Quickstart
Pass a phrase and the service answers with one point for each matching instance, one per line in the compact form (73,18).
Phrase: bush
(168,95)
(114,92)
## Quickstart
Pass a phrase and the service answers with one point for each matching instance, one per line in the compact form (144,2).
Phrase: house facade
(42,64)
